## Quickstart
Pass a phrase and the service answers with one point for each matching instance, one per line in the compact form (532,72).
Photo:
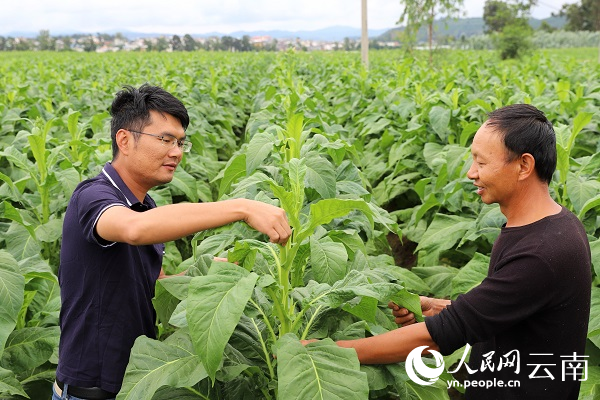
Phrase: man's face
(155,162)
(494,175)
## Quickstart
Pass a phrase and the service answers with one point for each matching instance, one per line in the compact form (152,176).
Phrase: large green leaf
(350,239)
(410,301)
(20,243)
(328,260)
(579,122)
(588,205)
(164,302)
(186,183)
(44,309)
(178,316)
(443,233)
(69,179)
(17,215)
(292,201)
(9,384)
(357,285)
(293,132)
(176,285)
(153,364)
(590,388)
(15,194)
(37,144)
(321,370)
(438,277)
(581,192)
(470,275)
(28,348)
(36,266)
(320,175)
(288,202)
(595,250)
(215,244)
(376,127)
(406,277)
(19,159)
(440,121)
(259,148)
(50,231)
(435,156)
(235,169)
(324,211)
(409,390)
(594,325)
(215,305)
(297,172)
(12,285)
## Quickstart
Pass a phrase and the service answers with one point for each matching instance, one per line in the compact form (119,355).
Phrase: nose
(176,151)
(472,172)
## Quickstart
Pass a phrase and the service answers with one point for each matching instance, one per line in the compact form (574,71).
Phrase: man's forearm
(167,223)
(391,347)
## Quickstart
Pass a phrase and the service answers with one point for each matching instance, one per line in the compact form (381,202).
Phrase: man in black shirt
(527,321)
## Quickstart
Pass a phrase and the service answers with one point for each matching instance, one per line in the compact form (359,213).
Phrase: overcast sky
(203,16)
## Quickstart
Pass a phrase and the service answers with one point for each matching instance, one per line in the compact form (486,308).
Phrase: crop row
(370,166)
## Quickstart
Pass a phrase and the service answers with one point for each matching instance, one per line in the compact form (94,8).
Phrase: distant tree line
(506,22)
(92,42)
(582,16)
(89,43)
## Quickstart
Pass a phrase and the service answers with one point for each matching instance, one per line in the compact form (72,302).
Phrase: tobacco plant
(237,316)
(318,135)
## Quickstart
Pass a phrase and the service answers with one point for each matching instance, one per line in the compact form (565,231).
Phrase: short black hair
(131,109)
(525,129)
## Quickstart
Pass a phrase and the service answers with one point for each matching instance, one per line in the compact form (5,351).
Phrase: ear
(124,141)
(526,166)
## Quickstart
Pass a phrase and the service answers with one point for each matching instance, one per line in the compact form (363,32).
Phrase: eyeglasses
(169,141)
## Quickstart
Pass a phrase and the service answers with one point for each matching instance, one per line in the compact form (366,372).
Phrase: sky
(204,16)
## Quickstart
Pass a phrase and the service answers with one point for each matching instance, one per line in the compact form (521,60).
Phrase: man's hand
(269,220)
(429,307)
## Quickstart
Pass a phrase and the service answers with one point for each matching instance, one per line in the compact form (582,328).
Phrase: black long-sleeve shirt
(535,300)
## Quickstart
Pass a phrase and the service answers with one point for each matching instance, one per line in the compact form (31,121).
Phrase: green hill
(462,27)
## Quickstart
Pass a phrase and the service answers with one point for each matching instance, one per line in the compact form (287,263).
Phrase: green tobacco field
(369,165)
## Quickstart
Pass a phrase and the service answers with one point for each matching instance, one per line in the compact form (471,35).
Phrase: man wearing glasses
(113,237)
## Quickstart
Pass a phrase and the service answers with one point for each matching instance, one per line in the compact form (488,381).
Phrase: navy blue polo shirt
(106,288)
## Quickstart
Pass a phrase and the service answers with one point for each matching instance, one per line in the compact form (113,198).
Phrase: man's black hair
(525,129)
(131,109)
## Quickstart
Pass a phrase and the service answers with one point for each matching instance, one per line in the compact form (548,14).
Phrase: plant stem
(266,319)
(283,274)
(196,392)
(266,393)
(277,304)
(312,319)
(264,347)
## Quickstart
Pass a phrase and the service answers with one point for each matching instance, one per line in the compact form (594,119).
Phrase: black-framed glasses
(169,141)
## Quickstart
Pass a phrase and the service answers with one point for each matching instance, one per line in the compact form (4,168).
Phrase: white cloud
(201,16)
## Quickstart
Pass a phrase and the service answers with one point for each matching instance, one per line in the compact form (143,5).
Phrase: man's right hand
(269,220)
(429,307)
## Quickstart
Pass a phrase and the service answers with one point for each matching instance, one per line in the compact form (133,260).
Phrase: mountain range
(465,27)
(450,27)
